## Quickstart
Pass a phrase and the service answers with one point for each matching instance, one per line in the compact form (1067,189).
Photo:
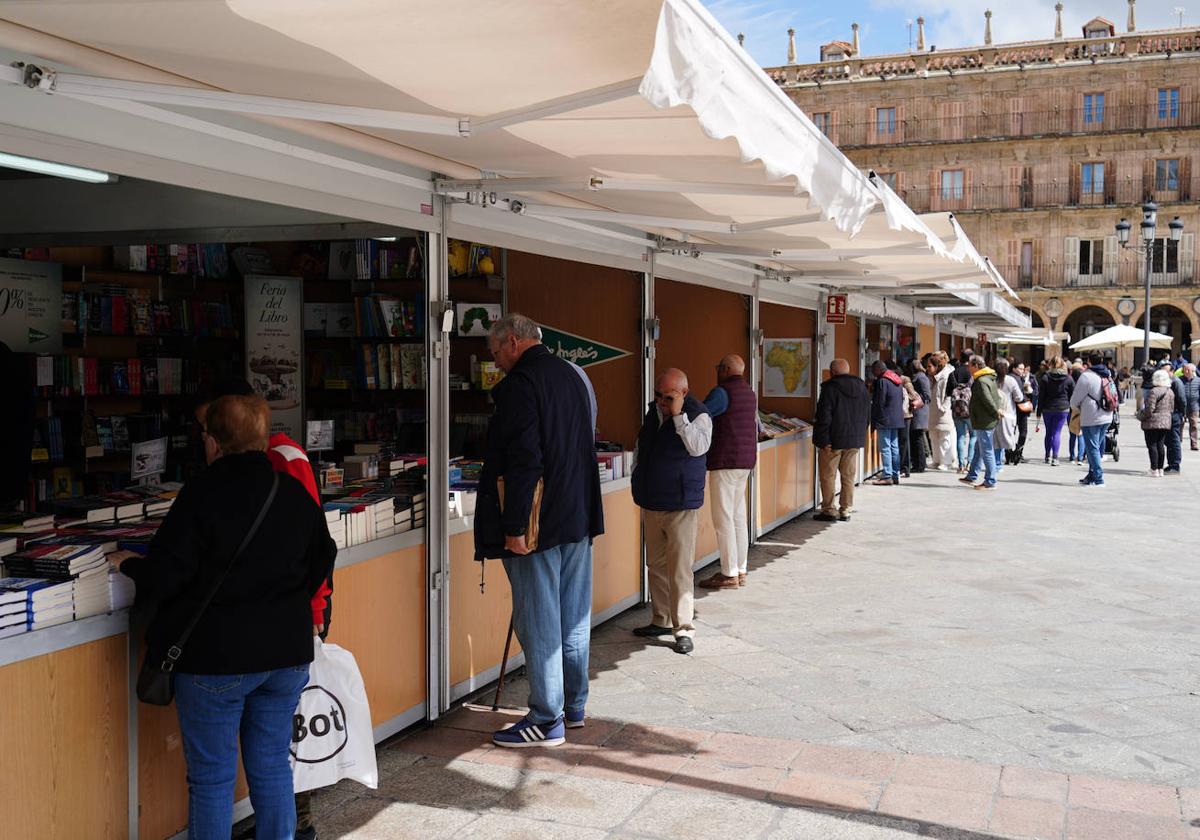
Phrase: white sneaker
(941,468)
(1153,473)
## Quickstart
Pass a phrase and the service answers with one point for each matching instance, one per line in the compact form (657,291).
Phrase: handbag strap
(176,650)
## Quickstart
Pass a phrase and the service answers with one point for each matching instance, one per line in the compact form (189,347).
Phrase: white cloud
(959,23)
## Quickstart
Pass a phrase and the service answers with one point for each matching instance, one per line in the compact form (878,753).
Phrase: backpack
(960,401)
(1109,400)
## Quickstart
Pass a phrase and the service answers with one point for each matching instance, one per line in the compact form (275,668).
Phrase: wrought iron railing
(1055,274)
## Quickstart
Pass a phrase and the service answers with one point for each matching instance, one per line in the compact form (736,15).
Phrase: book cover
(391,310)
(120,315)
(395,366)
(342,260)
(339,320)
(119,378)
(134,370)
(412,364)
(315,315)
(383,366)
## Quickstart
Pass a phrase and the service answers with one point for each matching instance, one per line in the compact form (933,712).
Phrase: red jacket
(289,457)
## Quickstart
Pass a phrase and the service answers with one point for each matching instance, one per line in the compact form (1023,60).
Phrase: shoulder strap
(176,650)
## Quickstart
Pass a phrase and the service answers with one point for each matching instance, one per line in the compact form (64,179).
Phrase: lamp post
(1149,228)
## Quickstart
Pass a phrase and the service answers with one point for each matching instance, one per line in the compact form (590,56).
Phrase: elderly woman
(244,549)
(1155,415)
(941,418)
(1007,431)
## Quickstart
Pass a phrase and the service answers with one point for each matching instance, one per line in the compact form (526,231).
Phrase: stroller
(1111,445)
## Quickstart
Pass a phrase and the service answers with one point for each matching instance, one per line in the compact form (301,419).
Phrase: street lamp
(1149,228)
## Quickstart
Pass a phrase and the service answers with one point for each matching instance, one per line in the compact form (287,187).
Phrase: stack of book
(337,528)
(121,590)
(46,602)
(81,566)
(14,617)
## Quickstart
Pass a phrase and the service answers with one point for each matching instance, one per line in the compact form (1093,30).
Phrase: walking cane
(503,662)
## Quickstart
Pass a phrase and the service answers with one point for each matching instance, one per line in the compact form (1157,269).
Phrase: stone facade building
(1039,148)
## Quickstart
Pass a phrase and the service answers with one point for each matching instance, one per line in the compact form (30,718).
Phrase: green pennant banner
(575,348)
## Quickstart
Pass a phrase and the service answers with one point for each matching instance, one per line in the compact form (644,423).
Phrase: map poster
(274,336)
(787,367)
(31,307)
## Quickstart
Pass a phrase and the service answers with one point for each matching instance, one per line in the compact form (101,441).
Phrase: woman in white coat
(941,420)
(1007,432)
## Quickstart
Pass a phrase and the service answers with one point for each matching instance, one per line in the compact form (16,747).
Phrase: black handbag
(156,680)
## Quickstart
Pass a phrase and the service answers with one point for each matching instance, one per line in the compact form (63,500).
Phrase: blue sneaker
(573,720)
(526,733)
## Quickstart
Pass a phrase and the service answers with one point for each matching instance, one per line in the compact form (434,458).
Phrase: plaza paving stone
(1015,664)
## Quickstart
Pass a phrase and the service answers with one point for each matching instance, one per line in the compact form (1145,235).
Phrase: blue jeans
(552,616)
(213,710)
(1093,444)
(889,451)
(966,440)
(1175,442)
(984,457)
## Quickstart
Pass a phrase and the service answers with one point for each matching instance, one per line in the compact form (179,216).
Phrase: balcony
(1005,126)
(1053,275)
(1028,54)
(1121,192)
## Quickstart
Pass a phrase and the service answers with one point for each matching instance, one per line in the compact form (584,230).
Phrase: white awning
(636,123)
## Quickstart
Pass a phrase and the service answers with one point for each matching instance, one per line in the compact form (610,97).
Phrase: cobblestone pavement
(950,663)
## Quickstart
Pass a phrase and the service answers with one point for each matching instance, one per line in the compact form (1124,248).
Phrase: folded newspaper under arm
(535,512)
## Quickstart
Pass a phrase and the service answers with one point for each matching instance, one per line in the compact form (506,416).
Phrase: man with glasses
(731,458)
(668,485)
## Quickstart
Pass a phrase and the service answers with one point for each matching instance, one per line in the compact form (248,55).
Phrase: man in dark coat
(839,432)
(539,472)
(887,416)
(668,485)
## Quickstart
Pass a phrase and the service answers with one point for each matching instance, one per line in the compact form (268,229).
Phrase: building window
(885,121)
(1166,256)
(952,184)
(823,121)
(1091,256)
(1166,175)
(888,178)
(1092,179)
(1168,103)
(1093,107)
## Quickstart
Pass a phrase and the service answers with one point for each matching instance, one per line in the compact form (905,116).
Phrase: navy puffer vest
(666,477)
(735,433)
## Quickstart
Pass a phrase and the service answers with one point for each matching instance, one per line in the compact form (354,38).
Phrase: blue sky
(948,23)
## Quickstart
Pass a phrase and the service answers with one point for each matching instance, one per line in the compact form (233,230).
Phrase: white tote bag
(332,736)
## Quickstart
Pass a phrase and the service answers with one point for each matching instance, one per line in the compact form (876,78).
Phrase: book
(339,320)
(88,508)
(41,559)
(16,522)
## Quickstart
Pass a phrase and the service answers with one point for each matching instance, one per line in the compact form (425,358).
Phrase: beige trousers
(670,553)
(831,463)
(944,442)
(728,494)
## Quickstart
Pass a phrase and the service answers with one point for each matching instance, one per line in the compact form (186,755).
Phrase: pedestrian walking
(241,553)
(1075,443)
(733,408)
(941,417)
(922,396)
(1054,405)
(1025,408)
(1178,417)
(1155,416)
(887,417)
(1191,390)
(1095,396)
(539,508)
(668,485)
(984,416)
(960,399)
(1012,398)
(904,438)
(839,433)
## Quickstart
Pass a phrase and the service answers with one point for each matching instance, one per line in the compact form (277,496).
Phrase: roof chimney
(920,34)
(1131,24)
(854,39)
(1058,7)
(987,27)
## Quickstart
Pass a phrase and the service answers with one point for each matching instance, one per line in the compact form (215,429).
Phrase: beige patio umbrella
(1122,335)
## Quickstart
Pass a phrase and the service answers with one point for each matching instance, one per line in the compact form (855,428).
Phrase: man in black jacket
(542,447)
(839,432)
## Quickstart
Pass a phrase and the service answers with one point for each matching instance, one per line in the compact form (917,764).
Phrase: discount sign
(31,306)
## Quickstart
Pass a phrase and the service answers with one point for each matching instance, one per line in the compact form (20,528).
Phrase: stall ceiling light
(58,170)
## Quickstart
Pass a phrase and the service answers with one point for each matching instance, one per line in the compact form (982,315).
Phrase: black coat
(261,617)
(1055,392)
(843,413)
(541,429)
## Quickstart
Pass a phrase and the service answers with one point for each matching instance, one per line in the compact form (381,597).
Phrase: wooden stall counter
(785,479)
(479,620)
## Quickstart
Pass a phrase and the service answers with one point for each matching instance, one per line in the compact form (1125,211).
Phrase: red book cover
(135,376)
(120,315)
(91,376)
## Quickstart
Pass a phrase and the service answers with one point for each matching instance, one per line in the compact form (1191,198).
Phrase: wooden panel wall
(699,326)
(845,343)
(379,615)
(478,622)
(765,476)
(779,321)
(599,303)
(65,733)
(616,556)
(926,340)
